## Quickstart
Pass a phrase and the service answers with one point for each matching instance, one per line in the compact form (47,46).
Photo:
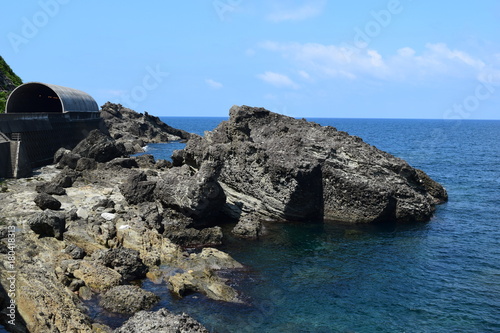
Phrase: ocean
(440,276)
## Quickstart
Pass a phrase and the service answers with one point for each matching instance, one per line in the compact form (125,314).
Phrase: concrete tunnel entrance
(34,98)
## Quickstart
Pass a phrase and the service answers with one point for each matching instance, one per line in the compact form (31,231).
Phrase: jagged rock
(125,261)
(128,299)
(127,125)
(66,178)
(248,227)
(95,275)
(137,188)
(75,252)
(151,216)
(198,195)
(99,147)
(203,281)
(50,188)
(86,163)
(161,321)
(163,164)
(48,224)
(60,153)
(284,168)
(45,201)
(104,233)
(121,162)
(191,237)
(68,159)
(145,161)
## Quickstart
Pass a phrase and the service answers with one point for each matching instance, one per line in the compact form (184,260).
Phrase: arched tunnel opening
(34,98)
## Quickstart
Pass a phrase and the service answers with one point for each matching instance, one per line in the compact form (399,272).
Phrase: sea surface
(440,276)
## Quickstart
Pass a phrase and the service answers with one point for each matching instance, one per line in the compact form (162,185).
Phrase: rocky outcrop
(48,224)
(249,227)
(125,261)
(161,321)
(290,169)
(128,299)
(137,129)
(99,147)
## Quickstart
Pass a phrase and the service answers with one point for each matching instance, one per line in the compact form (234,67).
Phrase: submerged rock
(128,299)
(289,169)
(161,321)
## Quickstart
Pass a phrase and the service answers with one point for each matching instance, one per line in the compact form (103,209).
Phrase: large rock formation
(137,129)
(289,169)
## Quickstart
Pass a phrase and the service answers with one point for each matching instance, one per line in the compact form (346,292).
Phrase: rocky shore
(97,220)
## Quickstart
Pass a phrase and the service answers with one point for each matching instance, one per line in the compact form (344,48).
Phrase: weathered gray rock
(161,321)
(150,214)
(128,299)
(289,169)
(191,237)
(122,162)
(198,196)
(45,201)
(248,227)
(137,188)
(66,178)
(99,147)
(67,159)
(145,161)
(48,224)
(86,163)
(75,252)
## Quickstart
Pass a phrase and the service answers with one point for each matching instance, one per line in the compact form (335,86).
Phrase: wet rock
(50,188)
(203,281)
(99,147)
(48,224)
(248,227)
(161,321)
(45,201)
(128,299)
(137,188)
(284,168)
(198,196)
(125,261)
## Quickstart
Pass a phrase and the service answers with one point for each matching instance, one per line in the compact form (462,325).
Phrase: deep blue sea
(440,276)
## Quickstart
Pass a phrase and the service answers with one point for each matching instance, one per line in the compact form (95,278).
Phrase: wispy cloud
(436,60)
(278,80)
(214,84)
(282,11)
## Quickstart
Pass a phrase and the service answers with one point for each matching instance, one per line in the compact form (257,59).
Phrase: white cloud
(282,11)
(304,75)
(326,61)
(213,84)
(278,80)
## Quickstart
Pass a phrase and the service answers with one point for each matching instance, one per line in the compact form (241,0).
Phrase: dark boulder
(50,188)
(161,321)
(145,161)
(99,147)
(75,252)
(136,188)
(45,201)
(191,237)
(284,168)
(86,163)
(125,261)
(121,162)
(248,227)
(48,224)
(128,299)
(68,159)
(66,178)
(150,214)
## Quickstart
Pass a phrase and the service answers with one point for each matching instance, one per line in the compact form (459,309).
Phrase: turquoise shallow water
(440,276)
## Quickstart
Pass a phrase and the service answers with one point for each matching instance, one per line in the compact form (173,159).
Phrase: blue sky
(316,58)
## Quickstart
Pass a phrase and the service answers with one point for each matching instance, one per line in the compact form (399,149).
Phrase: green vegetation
(9,82)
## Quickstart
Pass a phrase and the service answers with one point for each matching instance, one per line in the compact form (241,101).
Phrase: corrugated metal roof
(72,100)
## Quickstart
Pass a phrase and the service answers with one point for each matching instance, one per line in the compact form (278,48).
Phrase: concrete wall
(5,169)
